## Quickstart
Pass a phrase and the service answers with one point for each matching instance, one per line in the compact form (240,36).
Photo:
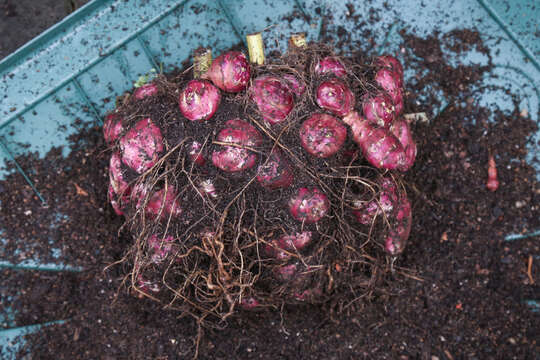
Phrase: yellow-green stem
(255,48)
(298,40)
(202,59)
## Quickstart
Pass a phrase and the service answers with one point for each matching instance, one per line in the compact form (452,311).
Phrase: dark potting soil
(22,20)
(458,290)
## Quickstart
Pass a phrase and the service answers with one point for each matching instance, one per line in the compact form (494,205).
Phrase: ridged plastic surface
(75,69)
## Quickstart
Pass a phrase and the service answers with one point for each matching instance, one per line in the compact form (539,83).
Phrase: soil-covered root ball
(255,185)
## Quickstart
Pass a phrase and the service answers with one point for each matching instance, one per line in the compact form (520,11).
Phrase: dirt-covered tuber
(322,135)
(142,145)
(237,142)
(309,205)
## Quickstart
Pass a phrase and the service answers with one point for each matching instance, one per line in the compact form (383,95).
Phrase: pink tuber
(114,201)
(275,172)
(237,156)
(199,100)
(117,176)
(163,203)
(335,96)
(393,64)
(145,91)
(401,130)
(112,128)
(309,205)
(388,199)
(400,227)
(297,87)
(286,272)
(160,247)
(195,153)
(141,146)
(230,72)
(388,80)
(207,187)
(322,135)
(330,65)
(379,146)
(392,84)
(249,303)
(492,182)
(288,243)
(366,213)
(297,241)
(273,98)
(379,109)
(274,250)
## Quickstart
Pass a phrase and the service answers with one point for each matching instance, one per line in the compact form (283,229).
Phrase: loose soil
(458,290)
(22,20)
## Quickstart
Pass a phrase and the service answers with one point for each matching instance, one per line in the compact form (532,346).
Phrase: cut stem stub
(298,40)
(255,48)
(202,59)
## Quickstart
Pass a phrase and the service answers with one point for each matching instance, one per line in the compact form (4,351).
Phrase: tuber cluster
(257,184)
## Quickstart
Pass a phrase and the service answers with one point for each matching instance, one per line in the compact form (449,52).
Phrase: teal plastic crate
(72,70)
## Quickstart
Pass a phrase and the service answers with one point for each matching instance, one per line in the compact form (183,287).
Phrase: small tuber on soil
(492,182)
(400,227)
(401,130)
(379,109)
(393,64)
(161,204)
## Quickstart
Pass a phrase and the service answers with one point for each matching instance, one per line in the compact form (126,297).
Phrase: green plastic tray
(73,69)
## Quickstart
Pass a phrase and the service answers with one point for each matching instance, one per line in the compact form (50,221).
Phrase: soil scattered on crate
(467,299)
